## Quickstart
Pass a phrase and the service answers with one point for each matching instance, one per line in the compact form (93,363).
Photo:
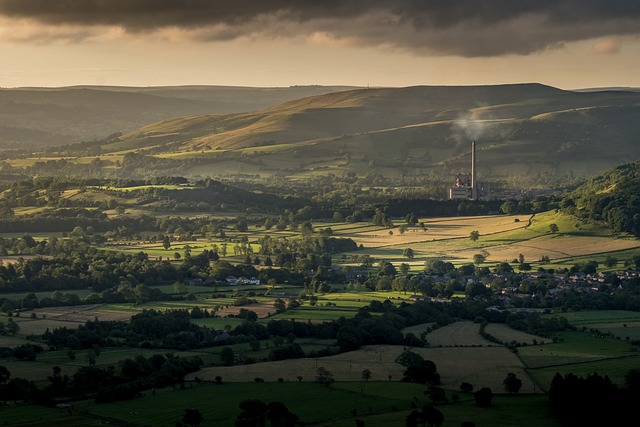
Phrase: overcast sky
(564,43)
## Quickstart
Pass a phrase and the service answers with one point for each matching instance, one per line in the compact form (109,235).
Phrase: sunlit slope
(41,117)
(527,129)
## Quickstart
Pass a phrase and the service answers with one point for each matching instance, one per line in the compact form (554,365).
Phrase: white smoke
(467,129)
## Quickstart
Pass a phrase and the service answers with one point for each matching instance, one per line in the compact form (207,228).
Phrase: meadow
(502,238)
(377,403)
(459,352)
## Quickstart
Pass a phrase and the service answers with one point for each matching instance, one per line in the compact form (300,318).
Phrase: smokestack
(474,189)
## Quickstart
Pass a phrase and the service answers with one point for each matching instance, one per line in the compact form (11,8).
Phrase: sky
(568,44)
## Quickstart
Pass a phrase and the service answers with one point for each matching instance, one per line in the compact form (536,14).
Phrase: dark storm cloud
(449,27)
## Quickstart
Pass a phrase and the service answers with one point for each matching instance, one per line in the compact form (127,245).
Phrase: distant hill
(40,117)
(527,134)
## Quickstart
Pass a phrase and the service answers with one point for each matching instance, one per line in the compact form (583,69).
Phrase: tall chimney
(474,188)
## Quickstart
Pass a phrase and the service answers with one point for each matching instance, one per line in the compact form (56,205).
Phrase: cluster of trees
(174,330)
(26,352)
(84,267)
(418,370)
(530,205)
(122,382)
(304,253)
(594,399)
(148,329)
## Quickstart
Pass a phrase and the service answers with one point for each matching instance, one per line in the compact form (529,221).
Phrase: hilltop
(531,133)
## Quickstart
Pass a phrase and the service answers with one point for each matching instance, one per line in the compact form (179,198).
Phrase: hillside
(531,133)
(41,117)
(613,197)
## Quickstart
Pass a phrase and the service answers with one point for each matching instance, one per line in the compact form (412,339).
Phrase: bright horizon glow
(369,47)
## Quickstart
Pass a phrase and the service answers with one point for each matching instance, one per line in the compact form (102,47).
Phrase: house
(245,281)
(222,336)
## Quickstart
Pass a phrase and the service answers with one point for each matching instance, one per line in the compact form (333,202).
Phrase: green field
(377,403)
(383,403)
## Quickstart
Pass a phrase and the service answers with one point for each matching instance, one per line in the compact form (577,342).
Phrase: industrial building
(467,187)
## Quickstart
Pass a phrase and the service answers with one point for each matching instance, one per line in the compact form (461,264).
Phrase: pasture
(503,237)
(460,355)
(444,228)
(459,352)
(378,403)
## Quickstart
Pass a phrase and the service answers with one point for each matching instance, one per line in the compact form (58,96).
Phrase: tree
(256,413)
(192,417)
(420,371)
(279,305)
(280,416)
(180,288)
(366,376)
(404,268)
(4,374)
(632,382)
(253,413)
(166,243)
(436,394)
(466,387)
(429,416)
(324,377)
(11,328)
(478,259)
(409,358)
(408,253)
(474,289)
(474,235)
(553,228)
(483,397)
(512,384)
(242,225)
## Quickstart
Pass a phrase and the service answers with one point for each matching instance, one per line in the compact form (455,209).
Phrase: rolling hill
(34,118)
(527,134)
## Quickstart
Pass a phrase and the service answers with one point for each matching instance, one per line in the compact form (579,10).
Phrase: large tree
(192,417)
(512,384)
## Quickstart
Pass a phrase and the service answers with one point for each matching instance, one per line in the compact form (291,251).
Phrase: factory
(467,187)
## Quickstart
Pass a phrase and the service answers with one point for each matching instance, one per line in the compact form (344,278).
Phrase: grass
(590,317)
(309,401)
(616,369)
(314,314)
(378,403)
(585,351)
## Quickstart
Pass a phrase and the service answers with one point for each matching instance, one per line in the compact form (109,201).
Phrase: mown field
(504,238)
